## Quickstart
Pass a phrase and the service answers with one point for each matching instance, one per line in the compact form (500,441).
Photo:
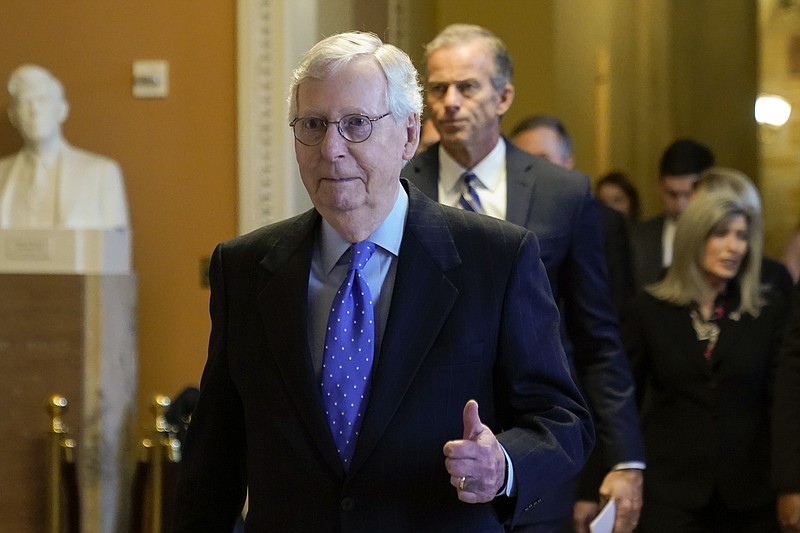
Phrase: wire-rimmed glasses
(355,128)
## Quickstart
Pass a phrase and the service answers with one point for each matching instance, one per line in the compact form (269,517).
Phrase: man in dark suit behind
(462,316)
(547,137)
(679,168)
(468,90)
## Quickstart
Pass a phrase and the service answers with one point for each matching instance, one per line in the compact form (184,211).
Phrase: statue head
(37,106)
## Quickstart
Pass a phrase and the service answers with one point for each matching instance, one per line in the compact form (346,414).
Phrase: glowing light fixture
(772,110)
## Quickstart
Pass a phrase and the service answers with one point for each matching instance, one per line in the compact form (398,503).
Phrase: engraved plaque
(29,248)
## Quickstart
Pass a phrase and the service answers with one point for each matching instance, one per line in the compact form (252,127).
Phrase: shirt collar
(388,235)
(488,170)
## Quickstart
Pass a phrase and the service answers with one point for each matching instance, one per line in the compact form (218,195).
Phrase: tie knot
(469,178)
(360,254)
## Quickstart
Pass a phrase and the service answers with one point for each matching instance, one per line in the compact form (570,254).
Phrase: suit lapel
(288,262)
(521,180)
(420,305)
(416,315)
(520,173)
(425,172)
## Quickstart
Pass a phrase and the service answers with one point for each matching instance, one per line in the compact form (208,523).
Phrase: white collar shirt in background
(667,240)
(491,185)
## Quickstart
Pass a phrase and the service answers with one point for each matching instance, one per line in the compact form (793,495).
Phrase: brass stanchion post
(55,406)
(160,405)
(155,478)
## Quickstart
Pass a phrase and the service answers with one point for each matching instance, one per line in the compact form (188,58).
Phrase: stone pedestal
(65,251)
(74,335)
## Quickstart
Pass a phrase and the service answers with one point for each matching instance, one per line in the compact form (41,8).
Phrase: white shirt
(491,185)
(667,241)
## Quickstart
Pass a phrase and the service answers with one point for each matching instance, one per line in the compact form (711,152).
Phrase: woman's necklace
(707,330)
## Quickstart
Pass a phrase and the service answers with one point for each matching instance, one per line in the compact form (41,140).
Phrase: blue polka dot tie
(348,354)
(469,196)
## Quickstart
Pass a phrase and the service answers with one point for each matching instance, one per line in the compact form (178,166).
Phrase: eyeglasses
(355,128)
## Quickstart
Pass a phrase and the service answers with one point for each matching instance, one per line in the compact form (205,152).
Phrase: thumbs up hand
(476,463)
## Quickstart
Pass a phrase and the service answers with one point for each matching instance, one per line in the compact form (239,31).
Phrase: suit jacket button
(348,503)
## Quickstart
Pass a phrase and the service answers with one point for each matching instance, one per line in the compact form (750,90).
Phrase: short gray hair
(684,281)
(330,55)
(457,34)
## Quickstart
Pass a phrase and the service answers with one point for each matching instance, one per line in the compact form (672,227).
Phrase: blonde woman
(721,179)
(702,344)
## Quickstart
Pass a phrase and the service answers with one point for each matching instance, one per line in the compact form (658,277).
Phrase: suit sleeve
(592,328)
(212,486)
(548,428)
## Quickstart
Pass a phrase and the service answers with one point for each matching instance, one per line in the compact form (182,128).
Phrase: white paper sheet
(604,521)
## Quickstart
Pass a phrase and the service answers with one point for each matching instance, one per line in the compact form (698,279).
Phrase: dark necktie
(348,354)
(469,196)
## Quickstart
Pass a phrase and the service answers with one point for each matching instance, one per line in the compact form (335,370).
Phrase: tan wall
(780,164)
(178,154)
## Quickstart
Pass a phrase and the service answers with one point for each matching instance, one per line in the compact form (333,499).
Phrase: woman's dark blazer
(706,424)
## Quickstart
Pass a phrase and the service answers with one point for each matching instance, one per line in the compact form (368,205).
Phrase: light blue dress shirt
(329,265)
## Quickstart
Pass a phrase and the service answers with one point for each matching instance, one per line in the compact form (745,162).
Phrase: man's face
(37,112)
(545,143)
(464,105)
(346,181)
(676,191)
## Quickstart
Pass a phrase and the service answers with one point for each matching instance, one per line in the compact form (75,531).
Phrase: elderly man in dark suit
(469,89)
(352,345)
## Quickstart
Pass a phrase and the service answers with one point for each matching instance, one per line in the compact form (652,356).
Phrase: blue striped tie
(348,354)
(469,196)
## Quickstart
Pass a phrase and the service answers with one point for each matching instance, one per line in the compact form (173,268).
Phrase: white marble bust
(49,184)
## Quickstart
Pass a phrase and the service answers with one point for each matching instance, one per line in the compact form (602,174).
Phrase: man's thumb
(472,421)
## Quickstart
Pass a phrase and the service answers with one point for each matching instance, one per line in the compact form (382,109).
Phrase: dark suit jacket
(706,425)
(557,205)
(786,407)
(471,317)
(648,252)
(775,275)
(619,257)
